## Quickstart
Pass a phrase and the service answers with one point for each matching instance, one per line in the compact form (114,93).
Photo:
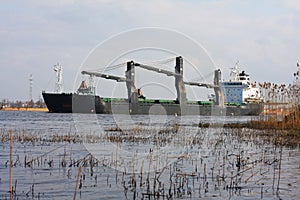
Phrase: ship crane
(178,74)
(155,69)
(147,67)
(106,76)
(200,84)
(170,73)
(179,83)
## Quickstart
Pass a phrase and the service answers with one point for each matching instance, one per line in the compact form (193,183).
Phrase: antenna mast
(234,72)
(59,80)
(30,87)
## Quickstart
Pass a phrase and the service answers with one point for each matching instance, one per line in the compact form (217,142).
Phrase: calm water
(142,156)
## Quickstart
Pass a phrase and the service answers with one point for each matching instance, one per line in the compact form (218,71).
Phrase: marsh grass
(216,163)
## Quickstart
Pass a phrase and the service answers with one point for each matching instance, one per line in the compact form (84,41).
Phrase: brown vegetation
(284,121)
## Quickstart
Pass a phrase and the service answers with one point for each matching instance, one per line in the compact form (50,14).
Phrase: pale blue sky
(263,35)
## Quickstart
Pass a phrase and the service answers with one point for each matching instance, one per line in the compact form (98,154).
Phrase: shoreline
(26,109)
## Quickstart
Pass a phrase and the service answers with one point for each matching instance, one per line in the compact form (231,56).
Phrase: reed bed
(288,119)
(201,162)
(282,108)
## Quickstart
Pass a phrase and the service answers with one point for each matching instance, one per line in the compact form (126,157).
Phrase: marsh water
(83,156)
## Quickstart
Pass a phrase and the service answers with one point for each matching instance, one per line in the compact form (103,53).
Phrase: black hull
(74,103)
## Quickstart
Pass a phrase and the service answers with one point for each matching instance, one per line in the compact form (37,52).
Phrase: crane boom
(162,71)
(151,68)
(199,84)
(106,76)
(169,73)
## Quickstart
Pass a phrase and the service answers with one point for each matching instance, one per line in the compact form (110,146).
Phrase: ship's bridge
(238,90)
(244,78)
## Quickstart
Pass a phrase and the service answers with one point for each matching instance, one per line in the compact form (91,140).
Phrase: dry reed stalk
(141,174)
(280,159)
(10,163)
(77,181)
(149,167)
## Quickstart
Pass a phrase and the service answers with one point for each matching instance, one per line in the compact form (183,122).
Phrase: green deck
(161,101)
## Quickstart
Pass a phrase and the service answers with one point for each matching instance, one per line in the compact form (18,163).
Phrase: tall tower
(30,87)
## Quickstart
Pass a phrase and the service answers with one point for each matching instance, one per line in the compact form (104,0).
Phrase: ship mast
(234,72)
(59,79)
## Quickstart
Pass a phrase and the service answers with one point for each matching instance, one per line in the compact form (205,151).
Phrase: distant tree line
(22,104)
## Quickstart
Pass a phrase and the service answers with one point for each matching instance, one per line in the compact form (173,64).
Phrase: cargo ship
(236,97)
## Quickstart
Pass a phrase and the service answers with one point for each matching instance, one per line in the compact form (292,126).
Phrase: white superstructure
(238,89)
